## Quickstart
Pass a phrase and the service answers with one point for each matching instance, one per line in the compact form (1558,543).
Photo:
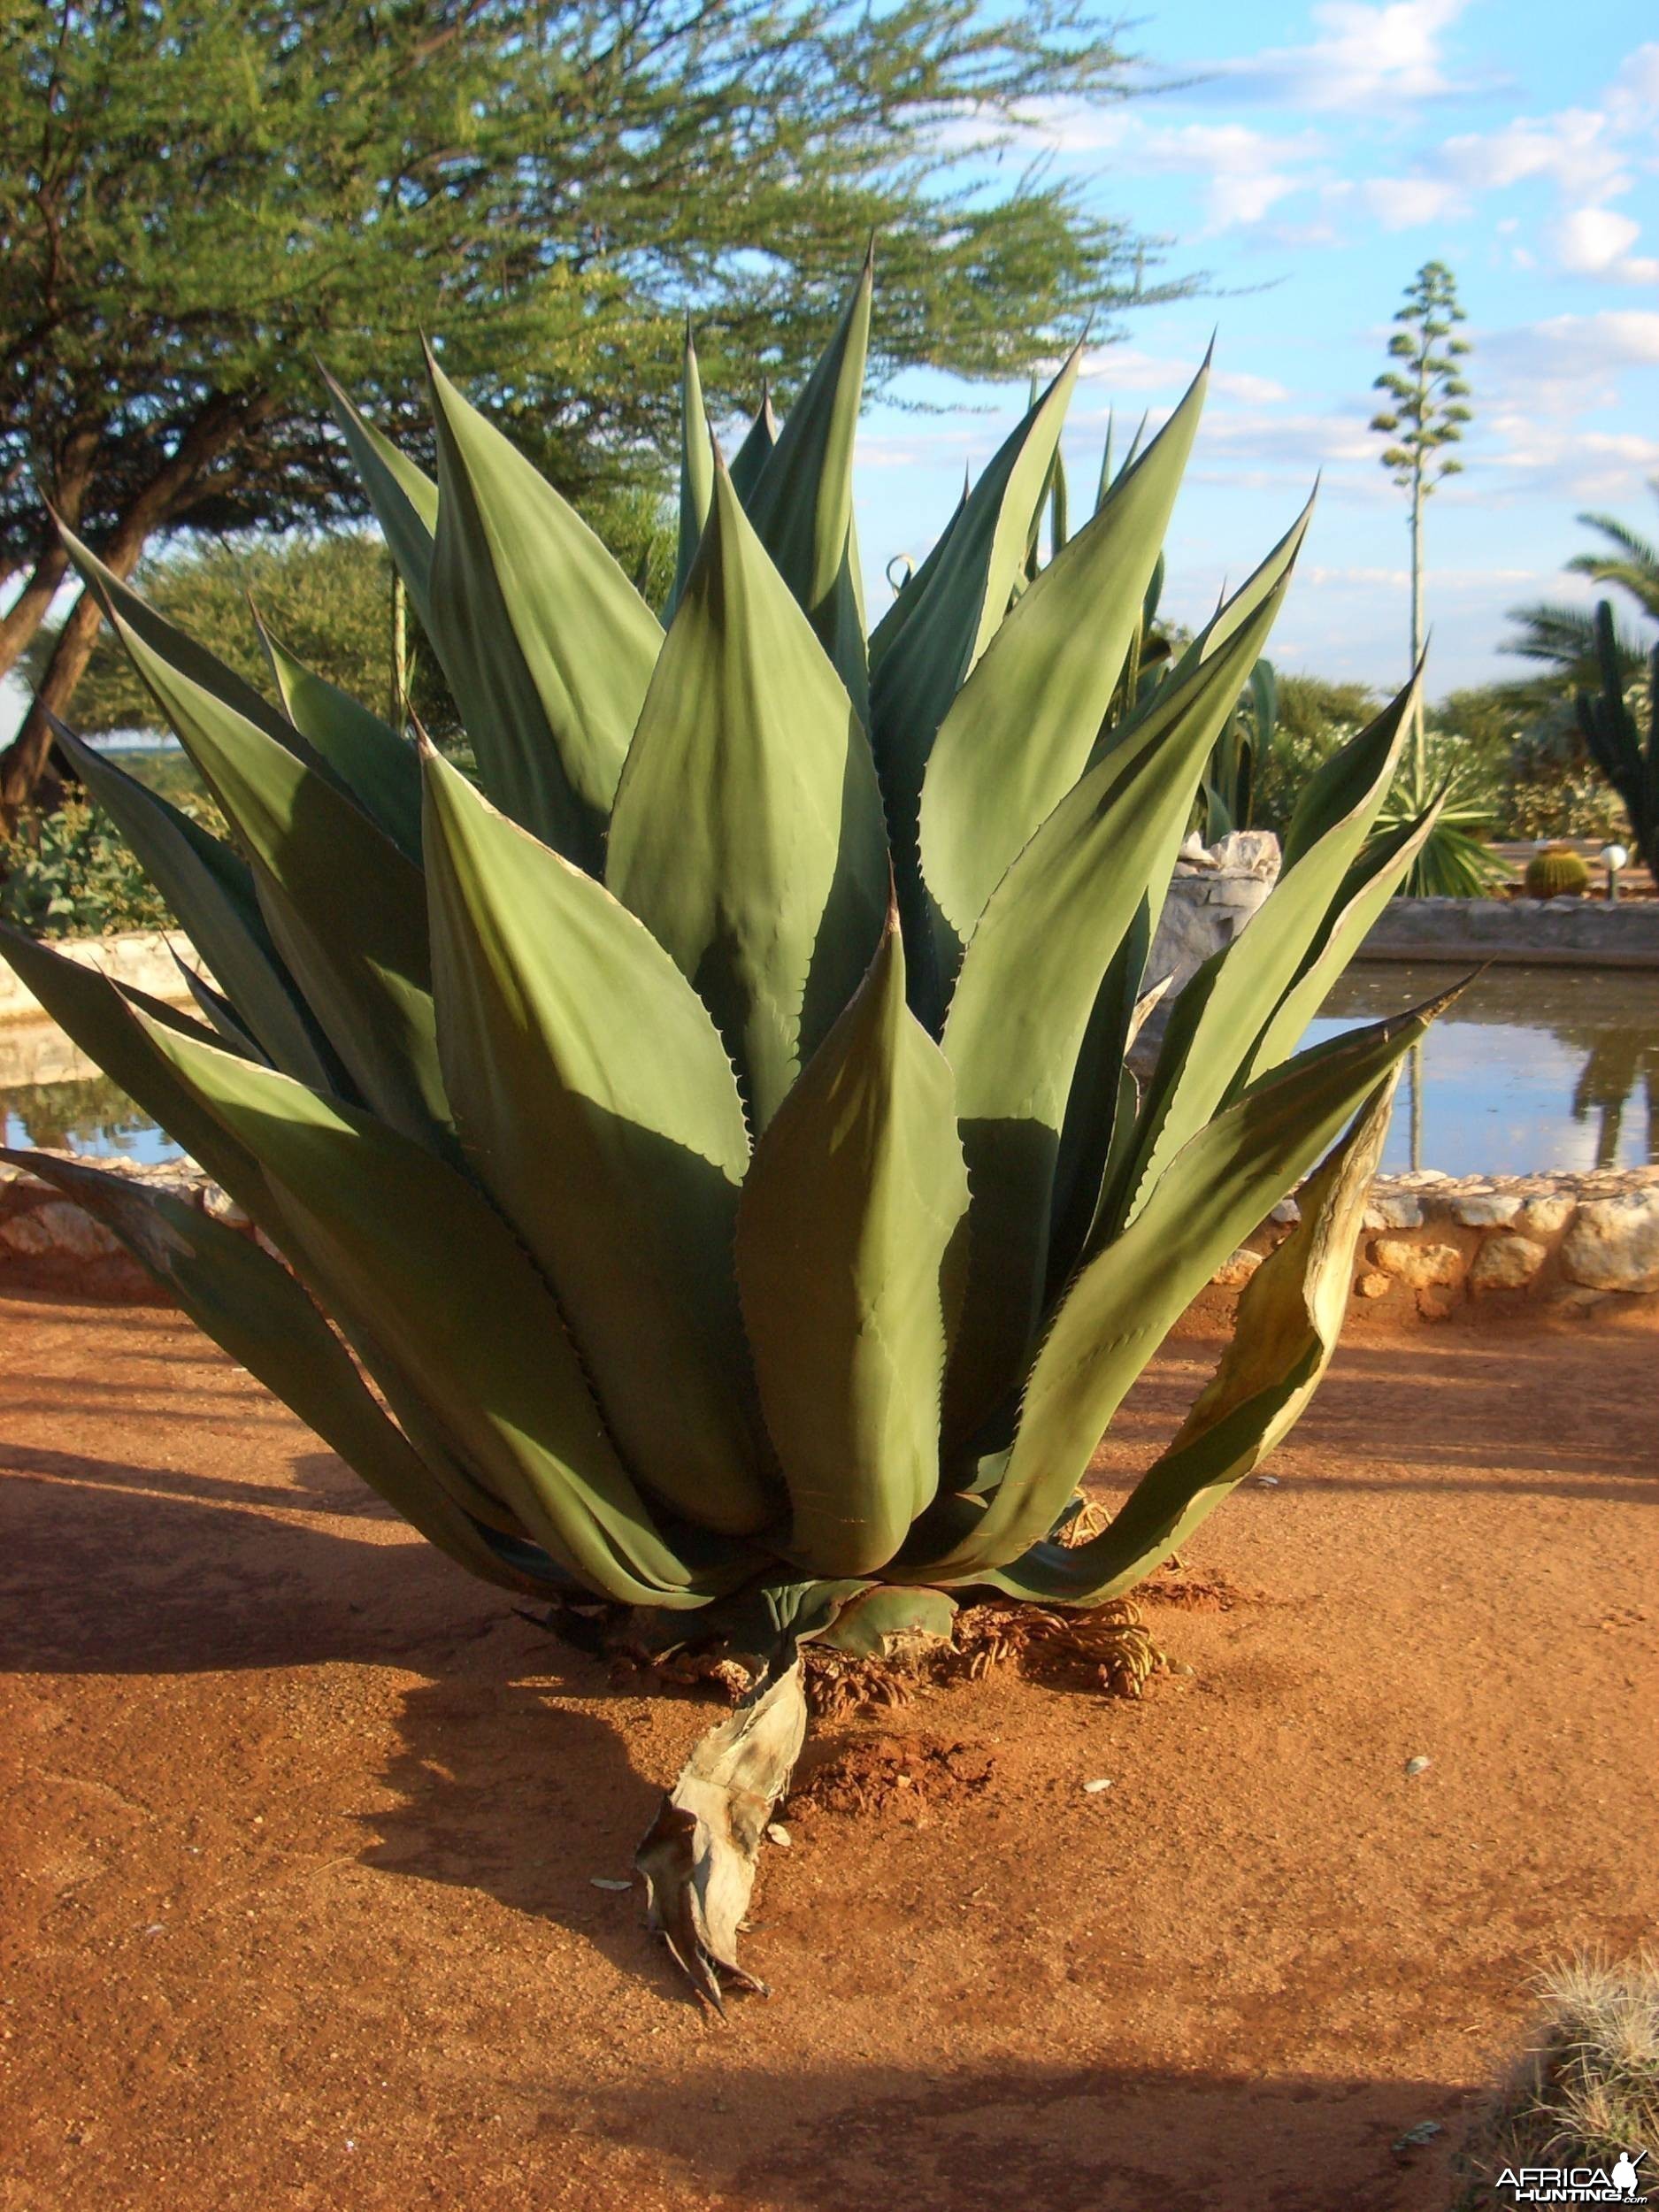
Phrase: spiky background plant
(706,1154)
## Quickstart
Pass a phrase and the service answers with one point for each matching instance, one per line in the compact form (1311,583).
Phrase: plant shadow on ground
(1063,2136)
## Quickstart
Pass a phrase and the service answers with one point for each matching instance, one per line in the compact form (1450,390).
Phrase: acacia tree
(194,200)
(1426,390)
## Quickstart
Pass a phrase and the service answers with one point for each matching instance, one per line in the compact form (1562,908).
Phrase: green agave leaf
(254,1310)
(546,645)
(849,1252)
(959,603)
(456,1300)
(360,958)
(1366,890)
(1290,1313)
(1027,991)
(906,601)
(98,1017)
(211,889)
(801,501)
(758,440)
(697,470)
(1219,1019)
(1102,1091)
(748,833)
(1234,612)
(134,617)
(1330,794)
(220,1015)
(595,1102)
(1020,733)
(372,759)
(403,497)
(1123,1303)
(887,1619)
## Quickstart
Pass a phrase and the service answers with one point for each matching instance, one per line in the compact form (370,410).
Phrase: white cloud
(1590,155)
(1565,364)
(1123,369)
(1362,55)
(1596,242)
(1246,171)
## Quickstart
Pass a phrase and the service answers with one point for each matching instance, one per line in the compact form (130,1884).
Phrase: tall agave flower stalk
(704,1153)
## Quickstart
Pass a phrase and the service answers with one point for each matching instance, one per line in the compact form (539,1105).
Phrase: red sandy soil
(301,1827)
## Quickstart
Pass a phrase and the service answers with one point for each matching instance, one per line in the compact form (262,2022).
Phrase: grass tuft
(1587,2088)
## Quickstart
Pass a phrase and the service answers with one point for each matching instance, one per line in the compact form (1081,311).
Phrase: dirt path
(300,1828)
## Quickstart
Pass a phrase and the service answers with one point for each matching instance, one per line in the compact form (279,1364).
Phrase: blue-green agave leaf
(849,1251)
(748,833)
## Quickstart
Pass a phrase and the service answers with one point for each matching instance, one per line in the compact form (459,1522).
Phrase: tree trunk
(23,765)
(164,499)
(68,491)
(24,617)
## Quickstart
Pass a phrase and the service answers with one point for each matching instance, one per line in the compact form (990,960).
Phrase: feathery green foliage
(713,1136)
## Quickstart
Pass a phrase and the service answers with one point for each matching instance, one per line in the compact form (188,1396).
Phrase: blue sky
(1328,149)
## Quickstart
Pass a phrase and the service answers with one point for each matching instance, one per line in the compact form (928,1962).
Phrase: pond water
(1533,1069)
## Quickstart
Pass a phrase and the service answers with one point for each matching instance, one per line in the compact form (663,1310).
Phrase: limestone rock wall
(1572,1245)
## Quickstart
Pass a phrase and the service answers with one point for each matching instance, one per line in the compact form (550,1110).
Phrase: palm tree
(1563,637)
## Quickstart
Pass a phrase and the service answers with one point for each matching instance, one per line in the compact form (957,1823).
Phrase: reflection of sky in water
(1504,1068)
(1502,1072)
(56,1119)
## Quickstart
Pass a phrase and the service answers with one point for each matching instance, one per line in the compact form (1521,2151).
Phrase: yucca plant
(705,1159)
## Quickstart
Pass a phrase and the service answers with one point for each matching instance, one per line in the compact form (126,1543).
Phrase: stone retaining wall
(1566,1244)
(1563,932)
(1433,1244)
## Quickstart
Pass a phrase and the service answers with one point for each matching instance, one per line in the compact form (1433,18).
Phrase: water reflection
(1615,1067)
(1532,1069)
(93,1115)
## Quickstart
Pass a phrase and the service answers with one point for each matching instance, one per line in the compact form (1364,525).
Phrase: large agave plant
(705,1153)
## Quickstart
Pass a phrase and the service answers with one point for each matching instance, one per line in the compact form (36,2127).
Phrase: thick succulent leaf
(696,470)
(889,1621)
(801,502)
(1018,734)
(1366,891)
(849,1247)
(546,645)
(960,601)
(1289,1315)
(1330,794)
(1101,1089)
(758,440)
(1123,1303)
(217,1010)
(255,1310)
(1235,611)
(346,910)
(596,1103)
(403,497)
(374,762)
(1028,987)
(211,889)
(134,616)
(907,600)
(457,1301)
(100,1019)
(1216,1023)
(748,833)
